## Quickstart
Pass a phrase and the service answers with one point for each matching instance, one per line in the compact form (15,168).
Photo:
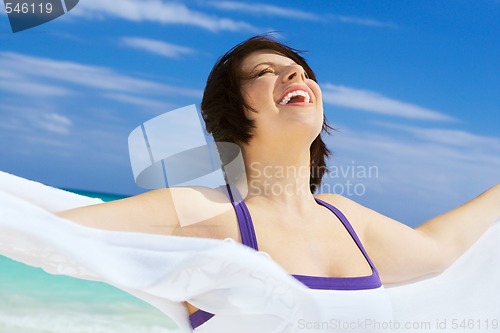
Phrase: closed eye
(265,71)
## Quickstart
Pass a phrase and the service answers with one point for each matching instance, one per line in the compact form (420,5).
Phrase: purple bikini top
(249,239)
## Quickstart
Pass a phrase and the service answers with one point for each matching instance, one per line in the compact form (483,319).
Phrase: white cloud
(53,122)
(374,102)
(436,174)
(29,69)
(139,101)
(41,95)
(364,21)
(13,82)
(157,47)
(159,12)
(452,137)
(30,120)
(265,9)
(291,13)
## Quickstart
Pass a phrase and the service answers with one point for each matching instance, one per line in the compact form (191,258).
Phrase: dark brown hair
(223,106)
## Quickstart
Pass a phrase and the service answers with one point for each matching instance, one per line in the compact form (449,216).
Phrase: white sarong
(224,277)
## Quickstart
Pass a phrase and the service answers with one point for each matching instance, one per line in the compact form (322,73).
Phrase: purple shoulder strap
(245,223)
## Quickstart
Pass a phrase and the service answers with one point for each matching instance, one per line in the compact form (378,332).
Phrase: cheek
(316,90)
(250,95)
(259,92)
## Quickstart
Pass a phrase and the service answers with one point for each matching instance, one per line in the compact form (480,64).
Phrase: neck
(278,175)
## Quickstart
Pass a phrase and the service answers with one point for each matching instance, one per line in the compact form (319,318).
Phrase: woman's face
(286,101)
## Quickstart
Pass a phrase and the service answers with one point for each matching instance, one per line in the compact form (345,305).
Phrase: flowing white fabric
(223,277)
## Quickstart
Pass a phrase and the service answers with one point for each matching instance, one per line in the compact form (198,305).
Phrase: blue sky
(412,88)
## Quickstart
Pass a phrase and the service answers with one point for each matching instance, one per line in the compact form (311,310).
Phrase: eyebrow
(263,63)
(270,63)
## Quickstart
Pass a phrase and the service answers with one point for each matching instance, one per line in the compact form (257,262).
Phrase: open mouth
(296,96)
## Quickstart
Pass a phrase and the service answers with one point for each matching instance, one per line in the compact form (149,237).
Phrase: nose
(295,72)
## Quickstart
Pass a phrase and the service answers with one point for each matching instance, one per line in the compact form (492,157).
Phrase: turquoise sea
(32,301)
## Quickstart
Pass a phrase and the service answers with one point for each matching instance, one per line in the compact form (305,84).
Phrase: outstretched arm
(149,212)
(402,253)
(456,230)
(167,211)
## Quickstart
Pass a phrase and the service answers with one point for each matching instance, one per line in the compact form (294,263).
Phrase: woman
(263,96)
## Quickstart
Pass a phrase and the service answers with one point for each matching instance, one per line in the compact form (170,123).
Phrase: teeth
(289,96)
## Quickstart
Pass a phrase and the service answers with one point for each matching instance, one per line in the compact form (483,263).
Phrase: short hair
(223,106)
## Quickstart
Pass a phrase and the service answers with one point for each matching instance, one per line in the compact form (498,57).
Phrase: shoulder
(188,196)
(200,211)
(336,200)
(361,217)
(357,214)
(184,199)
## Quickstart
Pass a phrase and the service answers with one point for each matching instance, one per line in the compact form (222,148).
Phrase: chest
(318,246)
